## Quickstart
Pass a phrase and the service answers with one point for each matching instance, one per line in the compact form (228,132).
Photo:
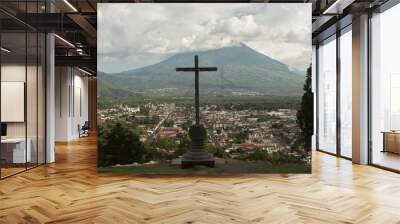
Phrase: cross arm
(208,69)
(185,69)
(201,69)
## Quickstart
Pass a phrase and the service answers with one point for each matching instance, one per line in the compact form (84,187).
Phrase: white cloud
(136,35)
(237,26)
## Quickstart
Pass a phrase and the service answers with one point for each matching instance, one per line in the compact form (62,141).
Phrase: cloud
(242,26)
(136,35)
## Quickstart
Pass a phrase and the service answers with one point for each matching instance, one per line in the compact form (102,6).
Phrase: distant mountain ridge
(240,69)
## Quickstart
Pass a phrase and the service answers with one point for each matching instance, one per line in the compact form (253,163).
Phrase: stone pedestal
(197,156)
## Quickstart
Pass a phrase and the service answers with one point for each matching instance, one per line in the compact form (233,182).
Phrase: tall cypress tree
(305,115)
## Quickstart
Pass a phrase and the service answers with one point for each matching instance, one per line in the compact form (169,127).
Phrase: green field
(244,102)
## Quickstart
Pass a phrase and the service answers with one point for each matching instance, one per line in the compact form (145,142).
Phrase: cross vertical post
(198,134)
(196,81)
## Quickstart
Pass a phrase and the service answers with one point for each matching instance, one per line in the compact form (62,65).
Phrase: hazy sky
(135,35)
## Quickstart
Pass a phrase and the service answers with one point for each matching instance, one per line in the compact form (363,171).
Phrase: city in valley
(234,133)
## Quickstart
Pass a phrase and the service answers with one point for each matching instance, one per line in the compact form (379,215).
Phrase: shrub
(119,143)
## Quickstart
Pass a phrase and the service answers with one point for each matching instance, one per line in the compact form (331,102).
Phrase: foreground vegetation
(223,169)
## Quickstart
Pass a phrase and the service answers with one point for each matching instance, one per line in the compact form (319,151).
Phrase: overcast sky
(136,35)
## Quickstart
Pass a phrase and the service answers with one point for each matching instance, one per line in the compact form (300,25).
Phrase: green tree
(119,143)
(214,150)
(144,110)
(259,155)
(305,115)
(240,137)
(184,144)
(187,124)
(167,143)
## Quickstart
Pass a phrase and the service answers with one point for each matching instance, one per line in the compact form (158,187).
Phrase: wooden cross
(196,69)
